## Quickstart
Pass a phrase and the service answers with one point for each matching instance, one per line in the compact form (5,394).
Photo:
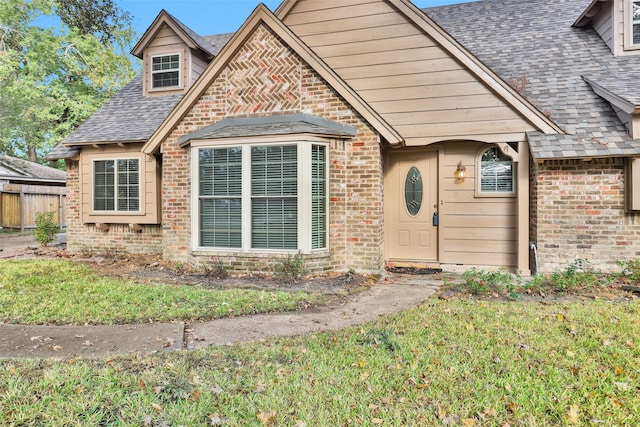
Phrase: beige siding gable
(396,60)
(167,42)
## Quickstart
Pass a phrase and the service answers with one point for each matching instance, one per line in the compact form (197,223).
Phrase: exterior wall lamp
(460,173)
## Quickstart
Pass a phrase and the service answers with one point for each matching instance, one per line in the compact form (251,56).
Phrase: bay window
(261,197)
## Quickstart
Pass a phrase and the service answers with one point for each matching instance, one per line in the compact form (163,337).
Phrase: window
(274,197)
(635,22)
(263,196)
(221,197)
(116,185)
(496,172)
(165,71)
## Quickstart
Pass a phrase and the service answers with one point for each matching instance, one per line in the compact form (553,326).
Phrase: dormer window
(165,71)
(635,22)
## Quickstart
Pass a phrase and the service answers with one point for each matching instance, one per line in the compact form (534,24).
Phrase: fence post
(60,211)
(22,209)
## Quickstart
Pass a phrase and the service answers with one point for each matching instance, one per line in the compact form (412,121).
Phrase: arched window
(496,173)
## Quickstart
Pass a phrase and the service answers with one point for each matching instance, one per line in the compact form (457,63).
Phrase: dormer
(173,56)
(617,22)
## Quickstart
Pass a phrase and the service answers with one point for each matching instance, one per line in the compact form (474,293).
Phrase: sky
(213,16)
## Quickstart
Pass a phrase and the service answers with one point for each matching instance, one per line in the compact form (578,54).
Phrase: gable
(415,76)
(252,70)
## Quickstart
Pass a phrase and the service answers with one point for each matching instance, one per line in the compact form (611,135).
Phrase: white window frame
(178,69)
(304,196)
(479,191)
(116,210)
(628,26)
(634,22)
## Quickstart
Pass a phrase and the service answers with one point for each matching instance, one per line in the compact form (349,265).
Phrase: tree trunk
(33,156)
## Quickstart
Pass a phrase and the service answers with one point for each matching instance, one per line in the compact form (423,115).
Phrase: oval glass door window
(413,191)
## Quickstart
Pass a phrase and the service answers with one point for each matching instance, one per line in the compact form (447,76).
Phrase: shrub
(481,281)
(46,229)
(630,270)
(578,274)
(216,269)
(290,269)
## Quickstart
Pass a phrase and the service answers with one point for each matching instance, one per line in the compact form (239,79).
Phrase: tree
(60,60)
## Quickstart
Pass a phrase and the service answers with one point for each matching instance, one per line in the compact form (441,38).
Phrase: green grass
(66,292)
(450,363)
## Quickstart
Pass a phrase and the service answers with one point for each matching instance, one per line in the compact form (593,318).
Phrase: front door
(411,200)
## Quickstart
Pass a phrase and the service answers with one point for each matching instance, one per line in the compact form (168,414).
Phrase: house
(365,133)
(27,188)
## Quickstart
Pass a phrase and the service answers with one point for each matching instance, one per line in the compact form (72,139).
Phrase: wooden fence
(20,203)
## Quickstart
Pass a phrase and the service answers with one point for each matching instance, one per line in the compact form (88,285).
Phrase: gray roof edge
(32,179)
(72,144)
(558,152)
(614,97)
(60,152)
(337,127)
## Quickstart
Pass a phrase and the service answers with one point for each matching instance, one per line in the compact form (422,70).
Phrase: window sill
(495,195)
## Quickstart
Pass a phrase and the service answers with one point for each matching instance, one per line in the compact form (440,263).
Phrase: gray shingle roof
(625,87)
(534,41)
(12,167)
(128,116)
(285,124)
(202,43)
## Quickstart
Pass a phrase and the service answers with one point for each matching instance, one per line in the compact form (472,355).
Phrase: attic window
(635,22)
(165,71)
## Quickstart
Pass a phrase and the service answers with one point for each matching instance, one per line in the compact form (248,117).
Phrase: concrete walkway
(389,296)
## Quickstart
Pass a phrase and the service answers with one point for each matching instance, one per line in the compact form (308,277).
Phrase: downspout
(532,246)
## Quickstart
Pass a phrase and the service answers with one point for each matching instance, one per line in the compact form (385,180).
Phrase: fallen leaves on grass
(267,418)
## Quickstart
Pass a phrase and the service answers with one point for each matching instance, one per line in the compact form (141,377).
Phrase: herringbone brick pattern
(264,76)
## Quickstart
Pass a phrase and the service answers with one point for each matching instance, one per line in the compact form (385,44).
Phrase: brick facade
(578,211)
(265,77)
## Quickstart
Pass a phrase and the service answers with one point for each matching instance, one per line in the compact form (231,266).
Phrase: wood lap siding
(167,42)
(476,230)
(150,179)
(402,73)
(603,24)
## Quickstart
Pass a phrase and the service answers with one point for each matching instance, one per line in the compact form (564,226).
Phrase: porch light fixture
(460,173)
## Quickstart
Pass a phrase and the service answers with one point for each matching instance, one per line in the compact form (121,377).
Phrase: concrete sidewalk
(63,342)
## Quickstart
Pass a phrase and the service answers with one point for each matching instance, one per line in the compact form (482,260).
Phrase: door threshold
(413,264)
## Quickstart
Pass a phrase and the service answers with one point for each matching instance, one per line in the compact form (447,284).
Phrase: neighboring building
(369,132)
(27,188)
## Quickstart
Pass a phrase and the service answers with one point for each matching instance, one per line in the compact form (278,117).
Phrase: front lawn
(445,363)
(67,292)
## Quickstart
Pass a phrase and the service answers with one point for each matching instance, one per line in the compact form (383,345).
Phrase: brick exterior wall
(119,239)
(578,211)
(265,77)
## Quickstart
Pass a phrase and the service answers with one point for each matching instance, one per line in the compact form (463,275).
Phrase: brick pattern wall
(578,212)
(266,77)
(119,239)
